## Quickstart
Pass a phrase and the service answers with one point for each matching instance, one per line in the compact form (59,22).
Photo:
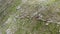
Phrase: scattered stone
(18,7)
(8,20)
(58,22)
(23,1)
(47,24)
(40,16)
(49,21)
(34,14)
(8,31)
(59,30)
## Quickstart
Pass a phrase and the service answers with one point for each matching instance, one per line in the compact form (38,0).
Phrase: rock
(18,7)
(47,24)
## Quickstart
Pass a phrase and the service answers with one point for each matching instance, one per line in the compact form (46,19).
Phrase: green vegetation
(31,17)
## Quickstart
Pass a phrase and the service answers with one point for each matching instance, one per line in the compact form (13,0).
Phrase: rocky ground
(29,16)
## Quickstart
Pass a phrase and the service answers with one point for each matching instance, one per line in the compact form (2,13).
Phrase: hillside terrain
(29,16)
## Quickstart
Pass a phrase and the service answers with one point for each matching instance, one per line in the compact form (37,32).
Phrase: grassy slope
(26,25)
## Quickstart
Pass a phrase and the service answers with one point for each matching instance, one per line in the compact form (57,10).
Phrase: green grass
(26,25)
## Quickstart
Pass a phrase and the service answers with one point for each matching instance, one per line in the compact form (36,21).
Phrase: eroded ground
(29,16)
